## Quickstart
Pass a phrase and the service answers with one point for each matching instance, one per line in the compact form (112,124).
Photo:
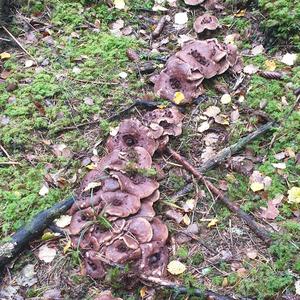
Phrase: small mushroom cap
(123,250)
(107,295)
(110,185)
(94,266)
(138,185)
(93,200)
(141,229)
(81,218)
(152,198)
(193,2)
(160,230)
(170,120)
(121,204)
(131,134)
(154,259)
(206,22)
(117,160)
(146,210)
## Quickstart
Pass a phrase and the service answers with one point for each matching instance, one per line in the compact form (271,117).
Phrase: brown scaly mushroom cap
(94,266)
(193,2)
(178,77)
(107,295)
(141,229)
(160,230)
(154,259)
(81,218)
(206,22)
(201,57)
(136,184)
(170,120)
(137,157)
(121,204)
(123,250)
(131,134)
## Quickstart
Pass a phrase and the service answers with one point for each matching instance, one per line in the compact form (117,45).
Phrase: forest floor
(54,104)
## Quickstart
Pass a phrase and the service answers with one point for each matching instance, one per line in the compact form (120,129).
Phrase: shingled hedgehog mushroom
(113,220)
(206,22)
(196,61)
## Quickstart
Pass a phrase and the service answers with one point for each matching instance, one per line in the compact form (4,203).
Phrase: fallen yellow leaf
(175,267)
(257,186)
(212,223)
(5,55)
(91,166)
(294,195)
(178,98)
(48,236)
(186,220)
(226,99)
(240,13)
(143,291)
(67,246)
(270,65)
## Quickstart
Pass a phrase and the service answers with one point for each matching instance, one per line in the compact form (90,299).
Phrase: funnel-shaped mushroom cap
(131,134)
(177,77)
(81,219)
(123,250)
(137,157)
(206,22)
(146,210)
(154,259)
(102,235)
(160,230)
(141,229)
(107,295)
(138,185)
(170,119)
(93,265)
(218,50)
(121,204)
(193,2)
(199,56)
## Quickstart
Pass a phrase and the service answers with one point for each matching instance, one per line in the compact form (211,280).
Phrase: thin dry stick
(260,232)
(18,43)
(5,152)
(94,81)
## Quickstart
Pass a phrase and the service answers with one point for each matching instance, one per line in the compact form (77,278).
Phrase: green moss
(182,252)
(176,182)
(197,258)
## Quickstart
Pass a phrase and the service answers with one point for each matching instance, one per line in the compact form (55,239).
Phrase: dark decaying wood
(9,249)
(220,196)
(159,28)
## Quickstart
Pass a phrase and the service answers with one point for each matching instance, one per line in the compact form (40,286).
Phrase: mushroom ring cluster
(113,220)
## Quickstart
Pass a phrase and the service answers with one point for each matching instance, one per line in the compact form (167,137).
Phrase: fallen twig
(137,103)
(20,240)
(260,232)
(179,289)
(159,28)
(94,81)
(18,43)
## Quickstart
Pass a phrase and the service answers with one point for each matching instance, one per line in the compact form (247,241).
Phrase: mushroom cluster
(197,60)
(113,220)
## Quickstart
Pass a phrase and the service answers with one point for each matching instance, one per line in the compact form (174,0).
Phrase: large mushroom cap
(123,250)
(93,200)
(141,229)
(121,204)
(206,22)
(154,259)
(146,210)
(137,157)
(136,184)
(94,266)
(160,230)
(152,198)
(177,77)
(131,134)
(107,295)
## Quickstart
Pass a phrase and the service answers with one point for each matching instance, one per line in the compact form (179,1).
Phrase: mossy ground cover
(77,81)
